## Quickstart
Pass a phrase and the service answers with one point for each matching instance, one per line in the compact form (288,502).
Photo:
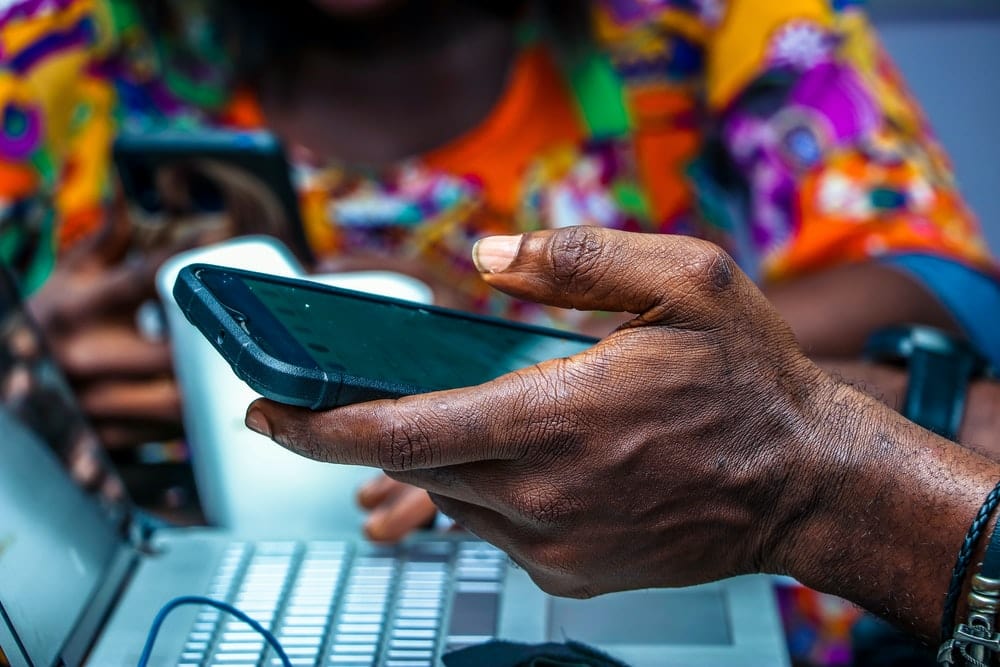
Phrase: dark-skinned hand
(663,456)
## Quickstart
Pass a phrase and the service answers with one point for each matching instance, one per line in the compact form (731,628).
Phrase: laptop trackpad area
(654,617)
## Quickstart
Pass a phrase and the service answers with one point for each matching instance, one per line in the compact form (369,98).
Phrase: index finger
(412,433)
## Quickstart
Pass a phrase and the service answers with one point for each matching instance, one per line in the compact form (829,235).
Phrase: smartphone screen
(389,341)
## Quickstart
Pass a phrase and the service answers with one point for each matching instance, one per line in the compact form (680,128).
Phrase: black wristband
(964,558)
(940,366)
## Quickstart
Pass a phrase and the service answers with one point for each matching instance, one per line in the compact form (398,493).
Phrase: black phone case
(268,376)
(289,384)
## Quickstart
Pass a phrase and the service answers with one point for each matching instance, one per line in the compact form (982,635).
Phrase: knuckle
(404,444)
(74,358)
(712,267)
(549,567)
(545,505)
(578,255)
(300,438)
(553,556)
(545,414)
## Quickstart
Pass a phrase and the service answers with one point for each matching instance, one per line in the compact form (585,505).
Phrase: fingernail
(494,254)
(256,421)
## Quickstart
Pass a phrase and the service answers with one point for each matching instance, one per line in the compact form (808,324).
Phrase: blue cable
(161,616)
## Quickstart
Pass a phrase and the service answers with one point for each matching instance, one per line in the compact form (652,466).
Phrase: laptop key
(306,621)
(358,598)
(241,647)
(480,573)
(299,631)
(401,654)
(419,644)
(361,618)
(402,633)
(313,641)
(343,639)
(229,658)
(430,552)
(418,613)
(359,628)
(409,590)
(309,610)
(355,649)
(420,603)
(364,608)
(415,623)
(243,635)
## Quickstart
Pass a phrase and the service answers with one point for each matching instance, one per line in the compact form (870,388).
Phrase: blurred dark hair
(267,37)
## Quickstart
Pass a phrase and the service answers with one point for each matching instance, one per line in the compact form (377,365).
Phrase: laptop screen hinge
(142,529)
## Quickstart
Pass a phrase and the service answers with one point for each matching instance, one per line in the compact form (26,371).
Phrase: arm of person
(834,312)
(980,429)
(736,453)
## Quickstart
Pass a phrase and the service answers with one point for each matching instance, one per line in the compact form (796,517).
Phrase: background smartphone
(316,346)
(172,176)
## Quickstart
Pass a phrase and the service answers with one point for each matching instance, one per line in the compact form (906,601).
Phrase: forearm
(890,514)
(980,430)
(833,312)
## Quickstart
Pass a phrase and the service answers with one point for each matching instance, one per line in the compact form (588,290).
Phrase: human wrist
(980,423)
(882,382)
(828,468)
(892,507)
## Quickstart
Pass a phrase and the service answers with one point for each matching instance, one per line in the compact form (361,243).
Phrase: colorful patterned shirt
(834,158)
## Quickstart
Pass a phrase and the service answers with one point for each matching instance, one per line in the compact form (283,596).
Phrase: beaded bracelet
(964,558)
(975,638)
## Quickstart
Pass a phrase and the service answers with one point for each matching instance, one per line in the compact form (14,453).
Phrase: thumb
(676,280)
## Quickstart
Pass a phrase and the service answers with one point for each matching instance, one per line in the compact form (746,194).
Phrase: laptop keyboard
(341,604)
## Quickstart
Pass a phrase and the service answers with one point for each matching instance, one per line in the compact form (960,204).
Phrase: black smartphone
(316,346)
(175,175)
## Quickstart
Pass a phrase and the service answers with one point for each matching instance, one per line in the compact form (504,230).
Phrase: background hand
(87,309)
(397,509)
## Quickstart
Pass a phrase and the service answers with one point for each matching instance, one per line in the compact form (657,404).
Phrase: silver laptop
(82,573)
